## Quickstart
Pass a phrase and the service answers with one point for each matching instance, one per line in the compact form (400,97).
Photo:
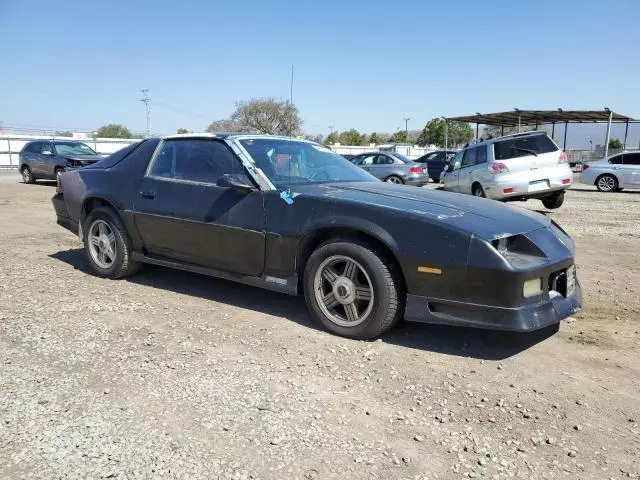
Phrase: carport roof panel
(529,117)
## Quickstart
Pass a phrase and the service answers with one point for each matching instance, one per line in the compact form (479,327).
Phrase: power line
(146,100)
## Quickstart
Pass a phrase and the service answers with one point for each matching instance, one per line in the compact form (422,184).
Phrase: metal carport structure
(519,117)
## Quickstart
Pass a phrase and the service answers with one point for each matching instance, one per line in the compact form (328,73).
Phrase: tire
(607,183)
(27,176)
(371,275)
(57,172)
(554,201)
(478,191)
(394,179)
(120,263)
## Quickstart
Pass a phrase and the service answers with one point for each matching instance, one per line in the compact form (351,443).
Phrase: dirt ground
(176,375)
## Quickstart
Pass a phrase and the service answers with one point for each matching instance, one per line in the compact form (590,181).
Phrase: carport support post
(564,144)
(606,142)
(518,123)
(477,130)
(446,134)
(553,129)
(626,132)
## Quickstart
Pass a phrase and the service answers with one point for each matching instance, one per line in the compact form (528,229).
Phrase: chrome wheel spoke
(329,275)
(102,229)
(330,301)
(95,240)
(351,310)
(350,270)
(363,293)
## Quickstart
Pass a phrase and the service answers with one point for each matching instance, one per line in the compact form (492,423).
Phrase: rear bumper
(551,180)
(62,215)
(416,180)
(523,319)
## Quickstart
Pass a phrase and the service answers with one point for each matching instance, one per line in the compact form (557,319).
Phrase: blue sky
(361,64)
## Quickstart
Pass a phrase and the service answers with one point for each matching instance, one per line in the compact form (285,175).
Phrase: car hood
(486,218)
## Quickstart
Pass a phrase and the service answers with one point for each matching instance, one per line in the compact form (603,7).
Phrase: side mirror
(238,182)
(47,152)
(448,167)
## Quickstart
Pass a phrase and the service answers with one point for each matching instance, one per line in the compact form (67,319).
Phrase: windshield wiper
(532,152)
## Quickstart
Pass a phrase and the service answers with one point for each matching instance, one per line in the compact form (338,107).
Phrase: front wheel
(554,201)
(352,290)
(27,176)
(107,245)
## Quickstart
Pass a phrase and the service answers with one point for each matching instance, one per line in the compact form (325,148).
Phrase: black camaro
(294,217)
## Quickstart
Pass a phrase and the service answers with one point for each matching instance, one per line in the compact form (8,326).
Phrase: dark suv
(46,159)
(436,162)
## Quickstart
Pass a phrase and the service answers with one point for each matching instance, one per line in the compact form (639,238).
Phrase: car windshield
(290,162)
(523,146)
(402,158)
(73,148)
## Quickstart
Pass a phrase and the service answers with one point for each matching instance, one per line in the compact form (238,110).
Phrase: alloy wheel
(343,290)
(606,183)
(102,244)
(395,180)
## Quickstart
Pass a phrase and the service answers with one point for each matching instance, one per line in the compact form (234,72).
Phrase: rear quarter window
(523,147)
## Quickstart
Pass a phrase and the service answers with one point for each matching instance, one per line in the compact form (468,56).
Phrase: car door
(382,166)
(450,178)
(181,212)
(631,170)
(48,159)
(465,174)
(35,160)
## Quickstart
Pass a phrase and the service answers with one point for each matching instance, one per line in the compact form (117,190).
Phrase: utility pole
(331,128)
(146,100)
(406,129)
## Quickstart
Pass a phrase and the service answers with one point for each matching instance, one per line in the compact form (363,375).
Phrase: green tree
(333,137)
(458,133)
(615,143)
(313,138)
(351,137)
(399,137)
(182,130)
(267,115)
(113,130)
(374,138)
(226,126)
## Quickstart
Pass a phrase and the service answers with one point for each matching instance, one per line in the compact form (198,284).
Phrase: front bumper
(520,319)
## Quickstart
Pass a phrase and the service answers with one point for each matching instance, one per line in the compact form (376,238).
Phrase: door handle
(148,195)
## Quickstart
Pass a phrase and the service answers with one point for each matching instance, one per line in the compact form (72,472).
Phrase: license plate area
(538,185)
(563,282)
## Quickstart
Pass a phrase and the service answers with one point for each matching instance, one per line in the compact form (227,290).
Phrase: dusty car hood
(486,218)
(85,158)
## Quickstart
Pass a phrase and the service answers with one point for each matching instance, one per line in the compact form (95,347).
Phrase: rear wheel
(27,176)
(107,245)
(352,290)
(554,201)
(478,191)
(607,183)
(394,179)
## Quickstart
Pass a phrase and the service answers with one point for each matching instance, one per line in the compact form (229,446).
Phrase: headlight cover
(519,251)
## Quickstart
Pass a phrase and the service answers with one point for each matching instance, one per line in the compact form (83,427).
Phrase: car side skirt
(288,285)
(520,319)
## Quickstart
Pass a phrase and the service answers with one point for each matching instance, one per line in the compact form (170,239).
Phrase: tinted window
(366,160)
(617,160)
(33,147)
(431,157)
(456,161)
(523,146)
(469,157)
(481,156)
(402,158)
(631,159)
(383,160)
(196,160)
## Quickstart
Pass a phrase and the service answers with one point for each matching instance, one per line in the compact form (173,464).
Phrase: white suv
(513,167)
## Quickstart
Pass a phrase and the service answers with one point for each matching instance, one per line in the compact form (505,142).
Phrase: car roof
(486,141)
(223,135)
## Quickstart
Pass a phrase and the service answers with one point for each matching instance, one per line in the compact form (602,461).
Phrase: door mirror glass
(237,181)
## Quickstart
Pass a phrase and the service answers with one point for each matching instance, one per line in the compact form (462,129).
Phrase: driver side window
(367,160)
(456,161)
(194,160)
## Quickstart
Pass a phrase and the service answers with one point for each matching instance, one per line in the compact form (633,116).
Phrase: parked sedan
(613,173)
(436,162)
(393,168)
(291,216)
(46,158)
